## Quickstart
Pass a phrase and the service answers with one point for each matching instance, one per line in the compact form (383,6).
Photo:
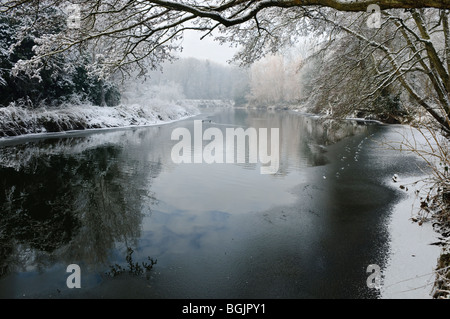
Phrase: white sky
(206,48)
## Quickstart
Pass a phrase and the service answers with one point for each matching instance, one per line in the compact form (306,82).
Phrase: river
(113,201)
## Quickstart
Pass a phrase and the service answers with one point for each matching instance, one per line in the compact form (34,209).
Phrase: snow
(410,273)
(411,268)
(20,156)
(16,120)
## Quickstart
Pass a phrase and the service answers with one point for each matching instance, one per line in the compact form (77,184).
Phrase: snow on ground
(410,273)
(16,120)
(411,270)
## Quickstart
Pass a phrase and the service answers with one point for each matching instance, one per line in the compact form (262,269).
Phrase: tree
(273,81)
(408,53)
(144,32)
(51,80)
(342,79)
(17,84)
(201,79)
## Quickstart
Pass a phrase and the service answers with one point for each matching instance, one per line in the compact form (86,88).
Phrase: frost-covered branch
(431,50)
(156,23)
(407,50)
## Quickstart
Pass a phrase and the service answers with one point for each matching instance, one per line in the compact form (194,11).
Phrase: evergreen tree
(60,76)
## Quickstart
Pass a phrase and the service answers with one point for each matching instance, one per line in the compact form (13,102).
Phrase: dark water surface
(108,199)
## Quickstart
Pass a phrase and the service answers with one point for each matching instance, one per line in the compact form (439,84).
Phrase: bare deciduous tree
(408,52)
(274,81)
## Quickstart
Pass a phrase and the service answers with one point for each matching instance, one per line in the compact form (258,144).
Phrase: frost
(16,120)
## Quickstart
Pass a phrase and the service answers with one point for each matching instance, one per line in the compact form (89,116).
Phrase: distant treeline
(272,81)
(204,79)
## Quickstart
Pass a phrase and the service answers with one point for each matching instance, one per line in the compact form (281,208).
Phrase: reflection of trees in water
(301,137)
(73,207)
(74,199)
(133,268)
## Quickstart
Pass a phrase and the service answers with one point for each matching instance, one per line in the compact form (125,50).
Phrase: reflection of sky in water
(197,203)
(228,187)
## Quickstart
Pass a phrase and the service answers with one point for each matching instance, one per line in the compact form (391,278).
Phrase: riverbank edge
(17,122)
(441,286)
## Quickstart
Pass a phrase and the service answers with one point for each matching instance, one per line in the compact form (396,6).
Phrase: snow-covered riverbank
(18,121)
(414,255)
(411,269)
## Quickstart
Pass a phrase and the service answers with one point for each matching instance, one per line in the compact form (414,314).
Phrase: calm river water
(109,199)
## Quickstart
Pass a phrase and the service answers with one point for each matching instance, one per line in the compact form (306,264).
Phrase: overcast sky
(206,48)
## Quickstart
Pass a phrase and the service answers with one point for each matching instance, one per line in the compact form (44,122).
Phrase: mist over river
(108,199)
